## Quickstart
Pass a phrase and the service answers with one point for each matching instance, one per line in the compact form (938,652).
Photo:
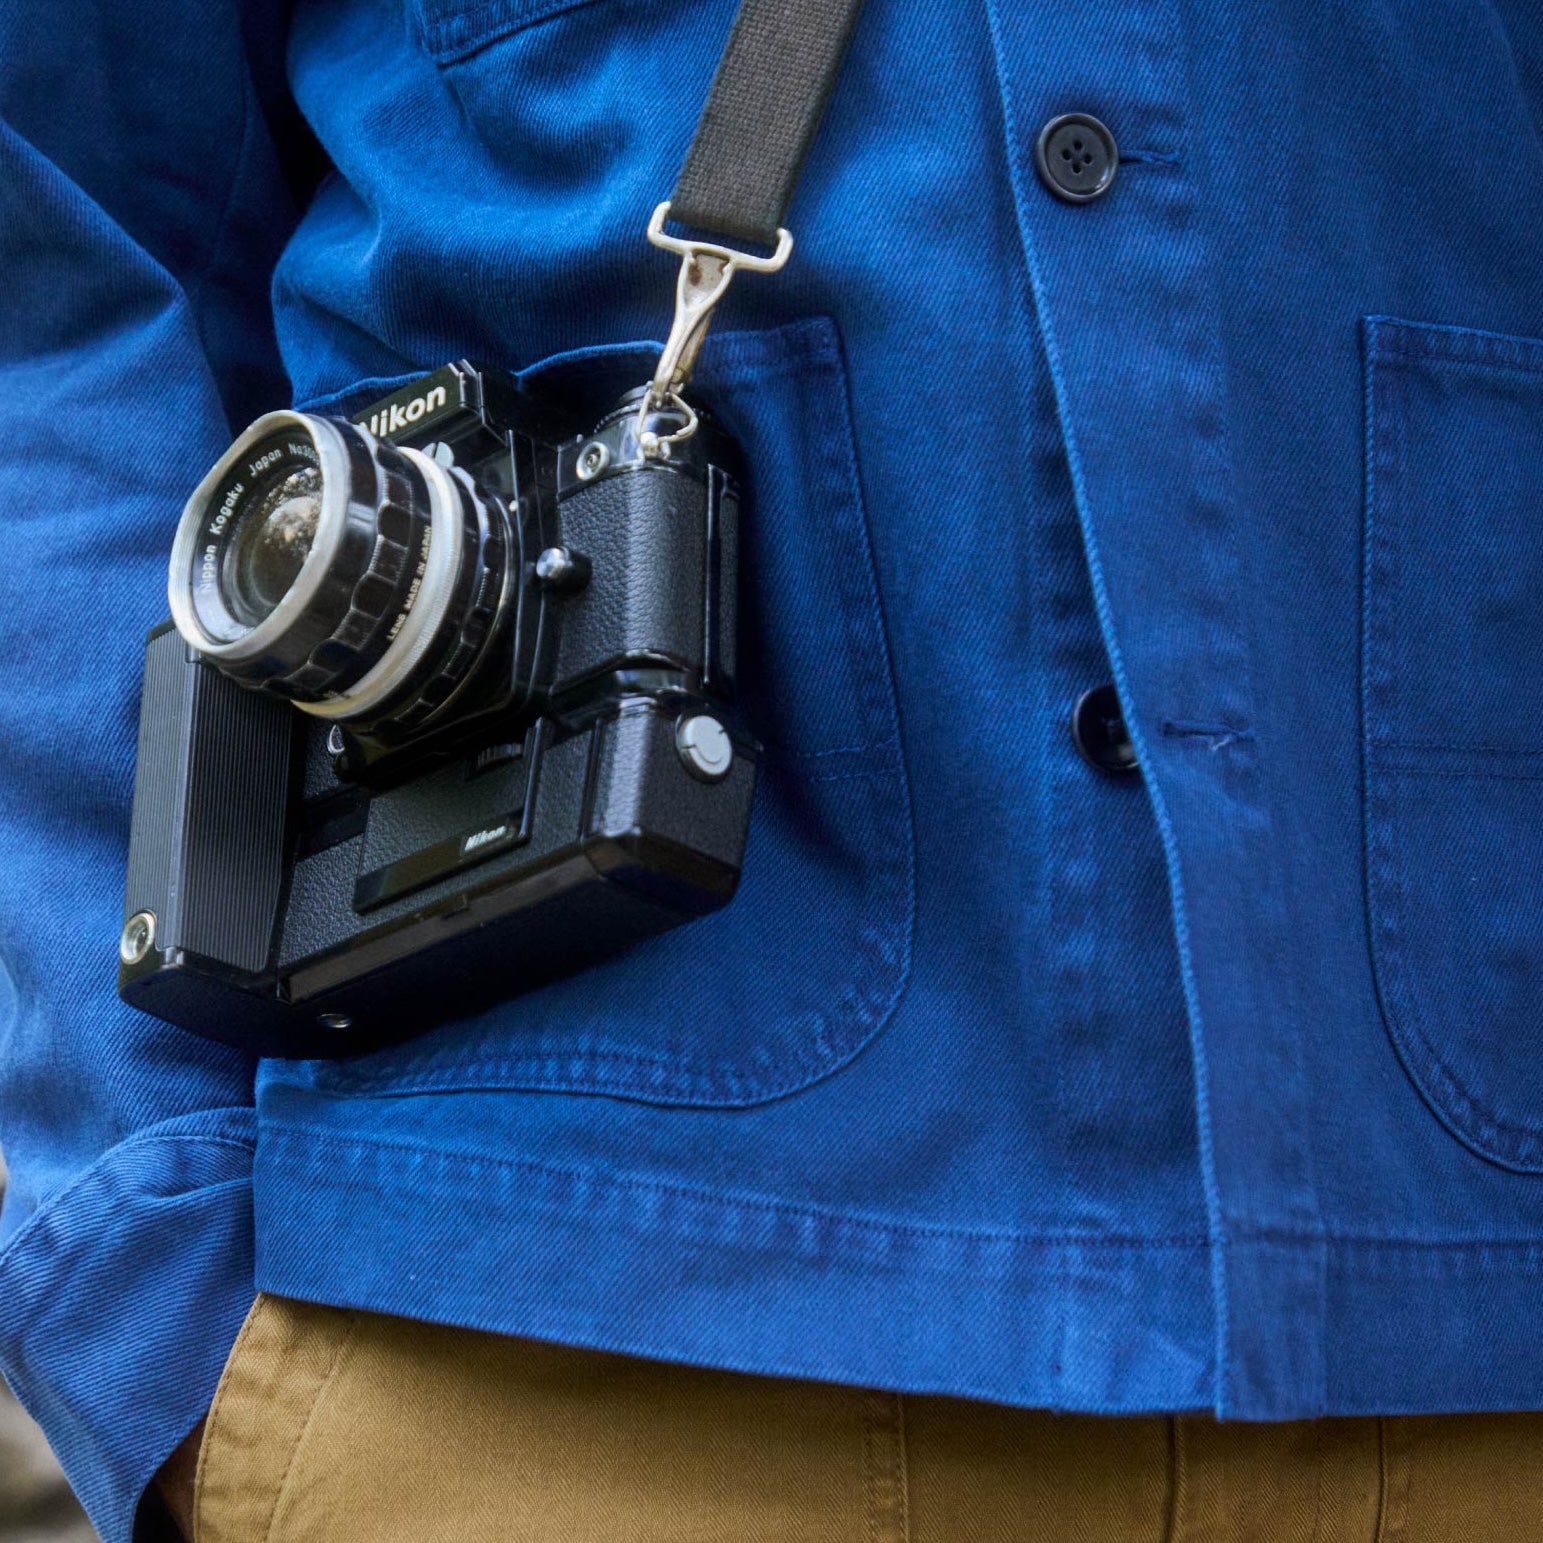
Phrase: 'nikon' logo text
(484,838)
(393,419)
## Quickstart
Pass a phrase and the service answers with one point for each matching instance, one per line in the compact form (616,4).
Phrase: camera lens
(345,573)
(269,543)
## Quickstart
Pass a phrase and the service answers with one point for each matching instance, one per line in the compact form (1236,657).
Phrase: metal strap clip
(705,271)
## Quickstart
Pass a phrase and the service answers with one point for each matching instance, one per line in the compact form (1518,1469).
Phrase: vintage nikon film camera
(442,713)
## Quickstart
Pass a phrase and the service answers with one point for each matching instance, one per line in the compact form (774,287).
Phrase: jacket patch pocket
(1453,721)
(805,964)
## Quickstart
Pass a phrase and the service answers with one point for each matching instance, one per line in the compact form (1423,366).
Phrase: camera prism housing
(444,713)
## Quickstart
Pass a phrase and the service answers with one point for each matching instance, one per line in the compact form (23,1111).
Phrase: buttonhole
(1219,735)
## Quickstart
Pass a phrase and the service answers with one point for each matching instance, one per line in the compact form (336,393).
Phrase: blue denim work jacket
(1217,1087)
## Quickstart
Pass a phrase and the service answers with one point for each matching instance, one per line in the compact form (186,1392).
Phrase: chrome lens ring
(199,602)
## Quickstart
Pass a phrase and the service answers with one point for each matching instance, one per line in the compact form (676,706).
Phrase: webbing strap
(761,115)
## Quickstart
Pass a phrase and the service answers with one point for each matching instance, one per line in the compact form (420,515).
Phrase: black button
(1098,731)
(1077,157)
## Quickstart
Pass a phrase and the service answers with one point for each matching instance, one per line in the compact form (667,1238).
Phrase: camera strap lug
(705,271)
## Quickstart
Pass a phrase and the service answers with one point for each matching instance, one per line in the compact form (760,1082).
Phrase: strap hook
(705,271)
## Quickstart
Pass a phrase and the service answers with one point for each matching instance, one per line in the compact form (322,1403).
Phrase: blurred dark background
(35,1502)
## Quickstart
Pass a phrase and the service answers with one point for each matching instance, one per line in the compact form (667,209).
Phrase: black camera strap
(761,116)
(760,119)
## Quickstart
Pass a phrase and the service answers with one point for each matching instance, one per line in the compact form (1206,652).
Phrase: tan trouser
(353,1428)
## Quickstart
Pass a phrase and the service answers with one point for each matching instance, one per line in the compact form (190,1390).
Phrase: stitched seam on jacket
(454,34)
(734,1201)
(1465,361)
(738,1201)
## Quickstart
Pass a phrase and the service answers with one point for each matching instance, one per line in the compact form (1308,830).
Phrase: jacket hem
(605,1260)
(610,1261)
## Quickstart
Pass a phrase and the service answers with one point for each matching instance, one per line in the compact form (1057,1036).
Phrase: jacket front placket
(1125,292)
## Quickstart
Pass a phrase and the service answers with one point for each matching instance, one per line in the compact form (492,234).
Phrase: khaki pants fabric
(333,1425)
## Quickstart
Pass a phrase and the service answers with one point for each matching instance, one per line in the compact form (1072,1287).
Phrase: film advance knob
(705,747)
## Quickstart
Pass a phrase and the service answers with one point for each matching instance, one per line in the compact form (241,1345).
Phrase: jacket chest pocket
(807,962)
(1453,721)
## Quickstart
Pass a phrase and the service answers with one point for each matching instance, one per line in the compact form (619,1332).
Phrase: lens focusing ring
(384,596)
(357,583)
(457,608)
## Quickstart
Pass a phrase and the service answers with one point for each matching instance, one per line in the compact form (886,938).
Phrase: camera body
(488,746)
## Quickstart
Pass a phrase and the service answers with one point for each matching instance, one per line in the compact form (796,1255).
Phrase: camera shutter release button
(1077,158)
(705,747)
(1098,731)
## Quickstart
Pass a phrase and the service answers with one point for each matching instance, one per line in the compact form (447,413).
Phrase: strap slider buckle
(705,271)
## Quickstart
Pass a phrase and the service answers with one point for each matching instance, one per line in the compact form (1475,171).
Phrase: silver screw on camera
(593,459)
(137,938)
(337,1021)
(705,747)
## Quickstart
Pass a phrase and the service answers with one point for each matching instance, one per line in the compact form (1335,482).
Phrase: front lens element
(257,536)
(270,541)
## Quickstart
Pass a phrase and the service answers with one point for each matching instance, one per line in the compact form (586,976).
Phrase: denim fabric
(1216,1089)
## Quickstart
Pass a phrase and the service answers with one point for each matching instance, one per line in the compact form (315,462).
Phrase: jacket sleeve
(143,200)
